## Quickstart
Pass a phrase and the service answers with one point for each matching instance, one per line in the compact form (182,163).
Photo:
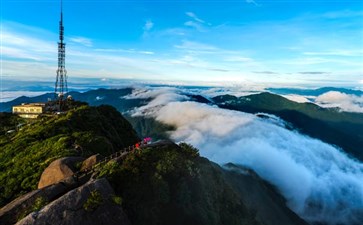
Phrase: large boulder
(91,161)
(59,170)
(27,203)
(94,203)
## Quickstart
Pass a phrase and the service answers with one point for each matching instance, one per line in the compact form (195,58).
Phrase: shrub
(94,200)
(117,200)
(39,204)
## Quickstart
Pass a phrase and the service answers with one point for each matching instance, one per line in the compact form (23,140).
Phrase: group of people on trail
(145,141)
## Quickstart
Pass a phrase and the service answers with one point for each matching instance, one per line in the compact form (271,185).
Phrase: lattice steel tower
(61,87)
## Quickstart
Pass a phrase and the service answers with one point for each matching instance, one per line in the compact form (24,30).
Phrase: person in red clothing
(147,140)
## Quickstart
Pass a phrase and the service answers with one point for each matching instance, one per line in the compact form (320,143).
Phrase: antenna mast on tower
(61,87)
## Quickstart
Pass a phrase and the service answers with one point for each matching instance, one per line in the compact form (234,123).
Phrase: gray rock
(24,204)
(10,213)
(80,206)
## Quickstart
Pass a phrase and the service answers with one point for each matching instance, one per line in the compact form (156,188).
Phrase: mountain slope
(184,188)
(81,132)
(270,207)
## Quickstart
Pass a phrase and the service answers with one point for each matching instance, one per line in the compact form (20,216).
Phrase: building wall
(28,111)
(29,116)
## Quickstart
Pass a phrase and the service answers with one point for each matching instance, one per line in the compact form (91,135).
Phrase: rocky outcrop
(91,161)
(93,203)
(10,213)
(25,204)
(59,170)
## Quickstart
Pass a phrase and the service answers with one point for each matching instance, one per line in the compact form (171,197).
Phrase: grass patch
(93,202)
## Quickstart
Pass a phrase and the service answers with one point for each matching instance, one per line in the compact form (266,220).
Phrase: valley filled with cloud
(320,182)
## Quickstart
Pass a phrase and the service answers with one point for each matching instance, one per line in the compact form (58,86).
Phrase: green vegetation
(108,169)
(170,184)
(93,201)
(39,203)
(117,200)
(81,132)
(343,129)
(9,123)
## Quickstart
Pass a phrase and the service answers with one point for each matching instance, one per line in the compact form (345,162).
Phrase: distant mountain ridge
(313,92)
(94,97)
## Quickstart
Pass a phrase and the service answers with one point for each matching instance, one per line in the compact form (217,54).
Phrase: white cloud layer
(296,98)
(6,96)
(349,103)
(320,182)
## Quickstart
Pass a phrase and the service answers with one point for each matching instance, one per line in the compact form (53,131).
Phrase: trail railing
(120,154)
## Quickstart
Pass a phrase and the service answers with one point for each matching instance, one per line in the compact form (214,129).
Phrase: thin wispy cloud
(219,70)
(148,25)
(314,73)
(193,16)
(239,47)
(27,56)
(196,22)
(342,14)
(17,53)
(199,48)
(264,72)
(133,51)
(147,28)
(194,25)
(82,40)
(192,45)
(353,53)
(252,2)
(17,48)
(25,69)
(21,40)
(108,62)
(238,59)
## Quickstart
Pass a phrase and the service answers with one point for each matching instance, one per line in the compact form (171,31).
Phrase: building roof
(30,105)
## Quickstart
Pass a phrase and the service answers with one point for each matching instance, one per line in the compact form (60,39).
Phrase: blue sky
(302,42)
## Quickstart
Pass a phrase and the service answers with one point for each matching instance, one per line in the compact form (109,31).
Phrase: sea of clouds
(346,102)
(332,99)
(319,181)
(6,96)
